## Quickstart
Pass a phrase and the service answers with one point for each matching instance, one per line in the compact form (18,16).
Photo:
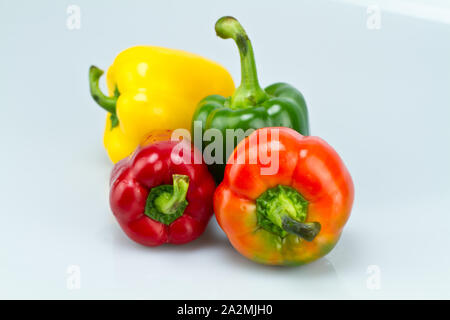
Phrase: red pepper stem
(249,93)
(169,203)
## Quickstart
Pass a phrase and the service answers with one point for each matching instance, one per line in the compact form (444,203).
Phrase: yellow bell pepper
(153,88)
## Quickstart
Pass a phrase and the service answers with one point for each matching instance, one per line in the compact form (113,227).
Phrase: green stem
(305,230)
(107,103)
(249,93)
(282,210)
(166,203)
(169,203)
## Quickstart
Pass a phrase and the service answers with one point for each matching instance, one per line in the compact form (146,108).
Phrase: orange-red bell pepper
(293,216)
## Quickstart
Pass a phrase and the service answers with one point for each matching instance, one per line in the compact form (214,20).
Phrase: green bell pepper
(250,107)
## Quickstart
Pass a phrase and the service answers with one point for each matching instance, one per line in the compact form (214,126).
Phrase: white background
(380,97)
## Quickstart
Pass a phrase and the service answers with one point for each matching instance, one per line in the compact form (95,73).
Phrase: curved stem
(249,93)
(170,203)
(305,230)
(282,210)
(107,103)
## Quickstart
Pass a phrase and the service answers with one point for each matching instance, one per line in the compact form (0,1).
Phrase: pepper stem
(169,203)
(166,203)
(249,93)
(107,103)
(282,210)
(305,230)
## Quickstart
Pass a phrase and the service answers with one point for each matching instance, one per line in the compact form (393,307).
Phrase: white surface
(380,97)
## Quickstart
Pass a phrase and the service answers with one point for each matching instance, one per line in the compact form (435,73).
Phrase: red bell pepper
(161,195)
(293,215)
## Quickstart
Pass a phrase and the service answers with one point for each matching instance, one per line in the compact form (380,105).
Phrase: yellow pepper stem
(104,101)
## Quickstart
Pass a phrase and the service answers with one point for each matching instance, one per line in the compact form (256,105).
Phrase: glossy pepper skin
(250,107)
(160,195)
(291,217)
(153,88)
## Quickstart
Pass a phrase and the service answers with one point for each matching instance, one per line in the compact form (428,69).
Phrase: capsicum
(290,217)
(250,107)
(161,194)
(153,88)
